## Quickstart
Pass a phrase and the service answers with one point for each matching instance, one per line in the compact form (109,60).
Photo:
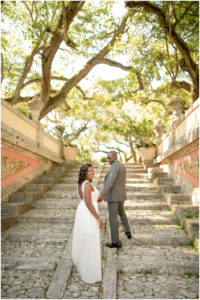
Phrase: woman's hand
(100,198)
(100,223)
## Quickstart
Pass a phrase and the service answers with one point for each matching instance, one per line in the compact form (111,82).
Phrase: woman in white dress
(86,250)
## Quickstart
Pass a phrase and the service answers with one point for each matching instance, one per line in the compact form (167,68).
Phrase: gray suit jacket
(115,183)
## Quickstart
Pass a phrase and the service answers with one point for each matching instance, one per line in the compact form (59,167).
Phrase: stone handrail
(28,134)
(180,136)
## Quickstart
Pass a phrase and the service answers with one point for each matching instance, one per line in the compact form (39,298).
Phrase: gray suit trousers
(115,209)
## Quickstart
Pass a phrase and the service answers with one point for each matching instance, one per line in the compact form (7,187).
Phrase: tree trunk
(132,151)
(49,53)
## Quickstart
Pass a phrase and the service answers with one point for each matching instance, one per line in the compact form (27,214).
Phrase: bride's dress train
(86,250)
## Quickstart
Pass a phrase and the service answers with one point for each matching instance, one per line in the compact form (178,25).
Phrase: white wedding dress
(86,250)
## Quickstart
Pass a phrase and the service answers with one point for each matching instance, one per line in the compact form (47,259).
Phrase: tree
(173,17)
(47,40)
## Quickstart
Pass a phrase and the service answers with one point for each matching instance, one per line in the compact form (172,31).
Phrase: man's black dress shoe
(128,234)
(114,245)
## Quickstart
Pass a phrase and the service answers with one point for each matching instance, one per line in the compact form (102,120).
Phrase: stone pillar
(35,106)
(177,105)
(159,129)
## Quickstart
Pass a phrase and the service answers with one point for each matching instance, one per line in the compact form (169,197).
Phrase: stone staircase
(22,200)
(158,262)
(180,204)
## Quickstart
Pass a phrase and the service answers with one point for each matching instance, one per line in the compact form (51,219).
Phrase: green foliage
(103,160)
(189,275)
(23,108)
(191,243)
(84,154)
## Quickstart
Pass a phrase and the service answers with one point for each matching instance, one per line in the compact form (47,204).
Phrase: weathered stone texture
(11,166)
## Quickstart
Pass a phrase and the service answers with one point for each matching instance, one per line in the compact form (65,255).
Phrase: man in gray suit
(114,192)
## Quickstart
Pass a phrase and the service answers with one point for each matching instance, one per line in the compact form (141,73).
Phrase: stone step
(33,264)
(146,205)
(69,164)
(14,209)
(46,180)
(38,187)
(57,172)
(7,222)
(26,196)
(69,180)
(143,217)
(34,219)
(180,199)
(32,229)
(48,215)
(156,260)
(132,176)
(148,196)
(156,235)
(192,227)
(151,165)
(51,203)
(155,204)
(127,166)
(28,249)
(141,187)
(170,189)
(130,195)
(138,180)
(185,211)
(52,238)
(59,168)
(163,181)
(129,187)
(155,169)
(64,187)
(58,194)
(159,175)
(132,172)
(9,209)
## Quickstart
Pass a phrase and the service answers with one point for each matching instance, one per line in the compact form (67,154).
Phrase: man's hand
(100,198)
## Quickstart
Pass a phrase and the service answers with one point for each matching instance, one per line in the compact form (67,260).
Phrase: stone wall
(178,152)
(26,150)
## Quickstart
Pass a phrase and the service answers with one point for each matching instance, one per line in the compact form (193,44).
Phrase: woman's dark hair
(83,172)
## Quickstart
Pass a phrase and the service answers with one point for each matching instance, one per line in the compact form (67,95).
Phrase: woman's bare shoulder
(89,186)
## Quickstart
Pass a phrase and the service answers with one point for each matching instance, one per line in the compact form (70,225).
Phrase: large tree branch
(62,78)
(58,99)
(27,67)
(114,64)
(147,101)
(191,66)
(125,68)
(48,54)
(182,84)
(18,100)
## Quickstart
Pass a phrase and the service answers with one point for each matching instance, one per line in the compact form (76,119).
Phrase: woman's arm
(87,196)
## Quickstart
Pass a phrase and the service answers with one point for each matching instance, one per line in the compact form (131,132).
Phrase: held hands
(100,223)
(100,198)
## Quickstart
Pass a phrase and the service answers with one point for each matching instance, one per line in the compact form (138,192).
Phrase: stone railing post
(177,105)
(159,130)
(35,106)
